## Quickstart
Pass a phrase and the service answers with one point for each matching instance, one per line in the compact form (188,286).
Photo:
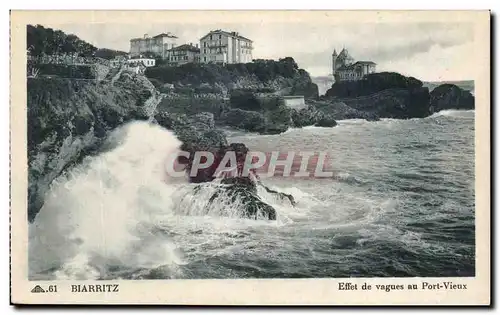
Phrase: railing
(68,60)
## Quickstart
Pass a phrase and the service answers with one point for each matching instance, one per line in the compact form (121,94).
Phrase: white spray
(103,212)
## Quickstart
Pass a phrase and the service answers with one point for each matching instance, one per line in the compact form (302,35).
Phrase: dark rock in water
(394,103)
(305,117)
(391,103)
(244,119)
(244,191)
(278,116)
(450,96)
(328,110)
(385,94)
(240,189)
(310,116)
(326,121)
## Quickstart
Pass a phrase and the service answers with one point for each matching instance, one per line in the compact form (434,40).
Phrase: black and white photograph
(160,149)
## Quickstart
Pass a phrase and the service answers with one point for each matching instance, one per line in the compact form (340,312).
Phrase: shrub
(245,100)
(196,74)
(67,71)
(242,119)
(157,83)
(41,40)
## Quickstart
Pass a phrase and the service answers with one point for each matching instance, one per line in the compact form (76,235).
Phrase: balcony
(215,46)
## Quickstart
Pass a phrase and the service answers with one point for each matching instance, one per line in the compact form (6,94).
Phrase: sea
(401,204)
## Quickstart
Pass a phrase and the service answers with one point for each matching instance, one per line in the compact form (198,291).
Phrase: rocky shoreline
(69,119)
(379,95)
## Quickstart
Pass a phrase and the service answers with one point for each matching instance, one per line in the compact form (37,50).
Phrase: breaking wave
(457,113)
(108,213)
(101,214)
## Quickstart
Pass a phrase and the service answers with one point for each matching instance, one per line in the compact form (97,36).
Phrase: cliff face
(371,84)
(393,103)
(68,119)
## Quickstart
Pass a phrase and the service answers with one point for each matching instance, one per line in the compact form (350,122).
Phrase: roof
(139,59)
(231,34)
(170,35)
(366,62)
(185,47)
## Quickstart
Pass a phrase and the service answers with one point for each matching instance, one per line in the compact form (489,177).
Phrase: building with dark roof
(186,53)
(345,68)
(224,47)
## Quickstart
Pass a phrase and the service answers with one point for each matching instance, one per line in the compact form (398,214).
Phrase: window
(205,59)
(204,44)
(185,57)
(204,51)
(210,37)
(220,36)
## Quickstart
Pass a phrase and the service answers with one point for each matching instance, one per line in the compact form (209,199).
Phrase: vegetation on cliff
(261,76)
(41,40)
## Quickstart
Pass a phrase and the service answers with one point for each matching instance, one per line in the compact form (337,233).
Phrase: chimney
(196,45)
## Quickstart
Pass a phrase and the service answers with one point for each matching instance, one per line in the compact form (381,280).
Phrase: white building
(158,44)
(225,47)
(147,62)
(345,68)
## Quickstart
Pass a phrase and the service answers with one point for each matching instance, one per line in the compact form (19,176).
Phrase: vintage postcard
(250,157)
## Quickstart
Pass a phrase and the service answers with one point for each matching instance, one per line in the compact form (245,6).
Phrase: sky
(437,51)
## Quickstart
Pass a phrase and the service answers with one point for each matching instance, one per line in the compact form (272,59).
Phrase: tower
(334,62)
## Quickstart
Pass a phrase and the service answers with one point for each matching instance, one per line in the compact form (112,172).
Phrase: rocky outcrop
(393,103)
(341,111)
(372,84)
(311,116)
(384,95)
(326,121)
(69,119)
(252,121)
(391,95)
(450,96)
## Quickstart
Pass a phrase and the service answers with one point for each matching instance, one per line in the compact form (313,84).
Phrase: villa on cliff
(344,68)
(225,47)
(216,46)
(159,44)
